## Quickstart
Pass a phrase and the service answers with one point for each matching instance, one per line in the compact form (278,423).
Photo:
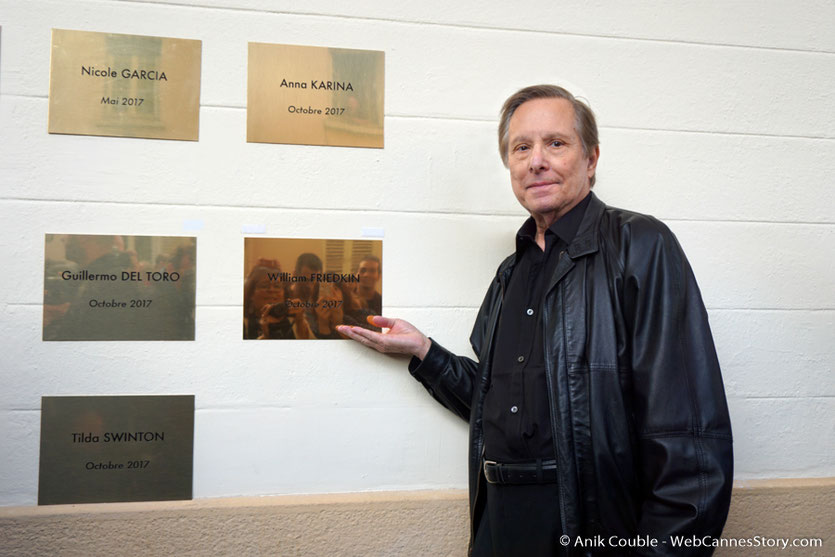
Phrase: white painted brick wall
(717,117)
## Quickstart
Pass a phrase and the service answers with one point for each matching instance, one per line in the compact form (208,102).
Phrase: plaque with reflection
(97,449)
(99,287)
(315,95)
(124,85)
(304,288)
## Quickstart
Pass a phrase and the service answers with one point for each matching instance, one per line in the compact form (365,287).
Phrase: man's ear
(593,158)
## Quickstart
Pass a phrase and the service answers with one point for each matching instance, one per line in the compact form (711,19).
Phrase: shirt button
(529,312)
(514,409)
(520,359)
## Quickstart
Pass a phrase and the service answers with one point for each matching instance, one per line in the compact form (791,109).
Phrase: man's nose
(537,160)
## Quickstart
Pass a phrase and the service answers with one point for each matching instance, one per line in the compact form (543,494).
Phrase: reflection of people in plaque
(58,295)
(362,102)
(307,265)
(269,312)
(327,304)
(370,270)
(329,312)
(596,406)
(103,291)
(337,305)
(354,309)
(177,302)
(67,311)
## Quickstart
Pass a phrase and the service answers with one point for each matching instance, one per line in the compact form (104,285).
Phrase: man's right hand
(401,338)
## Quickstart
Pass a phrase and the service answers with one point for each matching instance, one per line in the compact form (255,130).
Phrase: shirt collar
(565,228)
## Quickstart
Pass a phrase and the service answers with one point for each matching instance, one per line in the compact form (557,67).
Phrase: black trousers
(519,520)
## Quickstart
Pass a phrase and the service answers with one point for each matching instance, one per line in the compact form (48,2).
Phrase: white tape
(253,229)
(373,232)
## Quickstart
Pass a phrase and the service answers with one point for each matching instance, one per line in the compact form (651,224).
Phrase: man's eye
(556,143)
(521,148)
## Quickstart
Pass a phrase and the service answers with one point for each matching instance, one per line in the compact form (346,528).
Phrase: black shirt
(517,423)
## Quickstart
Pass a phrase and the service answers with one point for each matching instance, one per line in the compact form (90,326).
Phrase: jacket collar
(588,233)
(586,240)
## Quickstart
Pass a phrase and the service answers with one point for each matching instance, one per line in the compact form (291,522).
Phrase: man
(370,271)
(598,421)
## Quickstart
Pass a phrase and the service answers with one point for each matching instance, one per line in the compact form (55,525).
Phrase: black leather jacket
(642,436)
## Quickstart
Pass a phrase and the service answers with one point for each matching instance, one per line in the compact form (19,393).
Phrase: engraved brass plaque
(124,85)
(312,95)
(99,449)
(304,288)
(100,287)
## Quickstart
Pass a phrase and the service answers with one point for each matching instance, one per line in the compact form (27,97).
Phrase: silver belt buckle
(484,468)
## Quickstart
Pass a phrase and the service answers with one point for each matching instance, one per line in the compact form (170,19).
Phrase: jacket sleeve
(679,407)
(447,377)
(450,379)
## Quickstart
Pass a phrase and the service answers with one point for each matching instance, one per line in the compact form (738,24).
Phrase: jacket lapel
(584,243)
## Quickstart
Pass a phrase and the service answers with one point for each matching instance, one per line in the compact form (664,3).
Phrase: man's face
(369,272)
(548,170)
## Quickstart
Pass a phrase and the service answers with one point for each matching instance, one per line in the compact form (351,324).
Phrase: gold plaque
(312,95)
(303,288)
(100,449)
(119,287)
(124,85)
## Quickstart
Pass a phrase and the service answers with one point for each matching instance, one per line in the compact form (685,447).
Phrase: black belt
(539,472)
